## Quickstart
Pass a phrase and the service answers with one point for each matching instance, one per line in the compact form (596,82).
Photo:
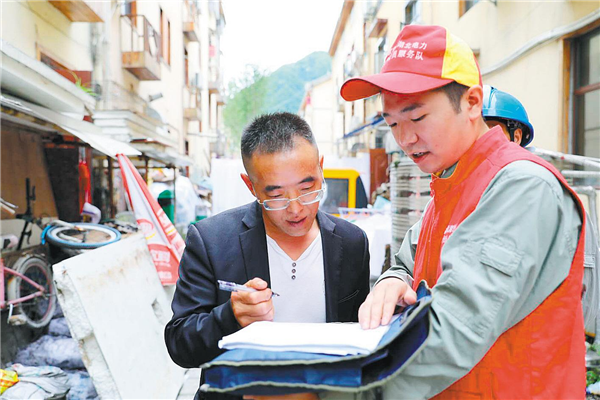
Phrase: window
(337,195)
(162,32)
(586,94)
(168,42)
(130,8)
(52,63)
(186,67)
(380,138)
(465,5)
(165,34)
(380,55)
(80,78)
(411,12)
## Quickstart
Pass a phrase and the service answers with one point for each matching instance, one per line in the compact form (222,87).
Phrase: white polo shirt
(300,283)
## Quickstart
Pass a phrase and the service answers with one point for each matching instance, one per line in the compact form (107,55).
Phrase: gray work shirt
(498,266)
(591,281)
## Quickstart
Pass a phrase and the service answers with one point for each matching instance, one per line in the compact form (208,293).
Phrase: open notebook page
(346,338)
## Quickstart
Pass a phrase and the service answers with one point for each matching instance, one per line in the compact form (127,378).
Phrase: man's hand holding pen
(249,307)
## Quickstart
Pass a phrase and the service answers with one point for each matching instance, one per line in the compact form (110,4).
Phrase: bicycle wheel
(39,310)
(90,236)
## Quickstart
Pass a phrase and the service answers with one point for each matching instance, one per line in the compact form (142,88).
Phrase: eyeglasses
(305,199)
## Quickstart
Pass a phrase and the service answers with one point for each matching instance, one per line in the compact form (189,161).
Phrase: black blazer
(232,246)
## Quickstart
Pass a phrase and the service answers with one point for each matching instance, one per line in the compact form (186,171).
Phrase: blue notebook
(261,372)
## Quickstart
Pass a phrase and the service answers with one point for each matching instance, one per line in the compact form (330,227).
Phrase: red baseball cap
(423,57)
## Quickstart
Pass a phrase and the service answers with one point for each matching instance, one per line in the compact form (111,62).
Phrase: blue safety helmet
(503,107)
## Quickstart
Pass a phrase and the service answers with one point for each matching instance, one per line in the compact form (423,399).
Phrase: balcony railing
(192,110)
(141,47)
(114,97)
(119,110)
(79,10)
(190,21)
(214,79)
(214,8)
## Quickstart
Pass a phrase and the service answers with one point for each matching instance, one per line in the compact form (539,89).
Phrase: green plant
(592,376)
(80,85)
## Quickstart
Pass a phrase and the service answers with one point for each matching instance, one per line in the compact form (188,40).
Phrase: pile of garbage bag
(36,383)
(49,368)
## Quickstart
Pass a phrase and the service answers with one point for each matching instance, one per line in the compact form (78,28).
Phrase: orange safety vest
(543,356)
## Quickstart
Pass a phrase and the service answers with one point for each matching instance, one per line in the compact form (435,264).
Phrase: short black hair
(272,133)
(454,91)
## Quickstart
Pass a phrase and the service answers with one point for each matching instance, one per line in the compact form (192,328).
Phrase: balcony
(79,10)
(353,64)
(124,115)
(192,110)
(190,21)
(214,79)
(141,47)
(112,97)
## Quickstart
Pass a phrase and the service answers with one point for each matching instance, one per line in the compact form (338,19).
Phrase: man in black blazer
(331,281)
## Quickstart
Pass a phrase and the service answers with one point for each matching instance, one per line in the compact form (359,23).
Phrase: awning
(85,131)
(106,145)
(162,152)
(177,160)
(376,121)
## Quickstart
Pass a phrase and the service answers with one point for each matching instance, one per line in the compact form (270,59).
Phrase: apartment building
(545,53)
(160,84)
(316,109)
(83,80)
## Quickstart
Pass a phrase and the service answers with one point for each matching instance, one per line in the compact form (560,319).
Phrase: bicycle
(65,235)
(30,289)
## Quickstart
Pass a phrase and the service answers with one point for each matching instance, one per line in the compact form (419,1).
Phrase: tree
(256,92)
(245,100)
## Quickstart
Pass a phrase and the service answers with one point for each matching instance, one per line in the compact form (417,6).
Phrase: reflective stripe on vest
(543,356)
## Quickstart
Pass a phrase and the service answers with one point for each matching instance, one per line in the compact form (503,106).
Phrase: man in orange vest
(501,241)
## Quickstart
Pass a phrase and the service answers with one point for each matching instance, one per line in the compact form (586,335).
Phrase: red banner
(164,242)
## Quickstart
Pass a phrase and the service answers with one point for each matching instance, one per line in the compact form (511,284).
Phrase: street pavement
(190,384)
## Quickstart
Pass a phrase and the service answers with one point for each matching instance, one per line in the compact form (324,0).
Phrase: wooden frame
(567,136)
(41,50)
(165,34)
(76,10)
(463,6)
(566,110)
(340,26)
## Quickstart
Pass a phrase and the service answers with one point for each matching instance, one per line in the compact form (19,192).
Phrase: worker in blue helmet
(501,108)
